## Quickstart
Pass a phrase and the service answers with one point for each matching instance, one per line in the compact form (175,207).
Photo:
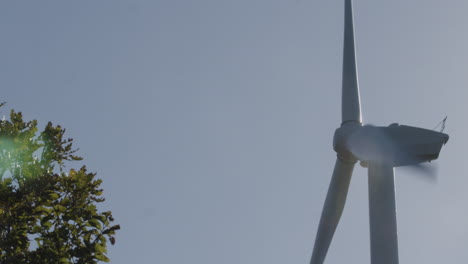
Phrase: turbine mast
(382,214)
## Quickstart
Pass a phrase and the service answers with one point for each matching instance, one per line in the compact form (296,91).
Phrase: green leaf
(36,229)
(94,223)
(100,248)
(102,258)
(47,225)
(60,208)
(64,261)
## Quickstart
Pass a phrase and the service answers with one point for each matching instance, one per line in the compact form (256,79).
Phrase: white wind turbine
(378,148)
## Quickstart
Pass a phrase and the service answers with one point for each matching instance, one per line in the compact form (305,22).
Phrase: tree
(48,214)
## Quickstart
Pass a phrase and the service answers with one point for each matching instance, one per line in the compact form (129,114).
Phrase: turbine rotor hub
(341,138)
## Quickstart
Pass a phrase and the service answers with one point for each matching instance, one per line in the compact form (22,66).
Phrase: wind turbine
(378,148)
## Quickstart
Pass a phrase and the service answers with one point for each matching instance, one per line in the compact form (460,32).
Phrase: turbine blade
(332,209)
(382,214)
(350,102)
(426,171)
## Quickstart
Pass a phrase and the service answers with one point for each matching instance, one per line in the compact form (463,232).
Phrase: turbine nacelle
(395,145)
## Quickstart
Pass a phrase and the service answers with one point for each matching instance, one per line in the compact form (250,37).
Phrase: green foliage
(48,215)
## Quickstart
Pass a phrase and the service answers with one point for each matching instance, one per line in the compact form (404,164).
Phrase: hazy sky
(211,121)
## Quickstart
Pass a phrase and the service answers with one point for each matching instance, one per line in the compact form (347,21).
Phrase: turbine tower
(380,149)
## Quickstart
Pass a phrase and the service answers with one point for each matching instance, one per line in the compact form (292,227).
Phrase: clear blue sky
(211,121)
